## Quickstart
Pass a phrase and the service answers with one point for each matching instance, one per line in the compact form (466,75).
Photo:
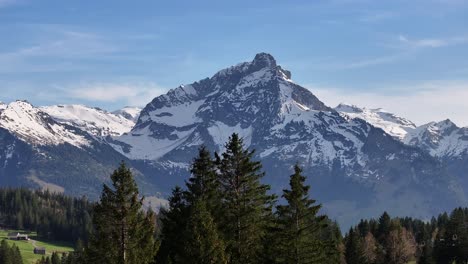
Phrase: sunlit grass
(26,247)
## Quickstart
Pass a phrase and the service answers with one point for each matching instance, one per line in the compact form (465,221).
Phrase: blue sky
(409,57)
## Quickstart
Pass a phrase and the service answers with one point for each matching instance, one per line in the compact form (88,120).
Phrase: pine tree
(55,259)
(383,227)
(9,254)
(299,225)
(202,243)
(124,234)
(247,208)
(354,249)
(203,185)
(173,221)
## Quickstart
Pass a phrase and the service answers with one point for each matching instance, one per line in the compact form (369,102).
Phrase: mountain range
(359,161)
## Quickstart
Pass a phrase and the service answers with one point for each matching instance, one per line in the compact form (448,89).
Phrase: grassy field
(26,247)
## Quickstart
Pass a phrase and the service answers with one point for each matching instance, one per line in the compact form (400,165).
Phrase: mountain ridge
(353,164)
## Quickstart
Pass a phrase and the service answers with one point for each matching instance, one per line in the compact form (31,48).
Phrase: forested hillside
(53,216)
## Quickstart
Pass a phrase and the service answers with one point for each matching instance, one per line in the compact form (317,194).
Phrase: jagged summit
(264,60)
(250,96)
(358,167)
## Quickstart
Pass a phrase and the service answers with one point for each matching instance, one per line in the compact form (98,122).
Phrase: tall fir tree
(203,184)
(173,221)
(299,225)
(124,233)
(354,249)
(383,228)
(247,208)
(202,242)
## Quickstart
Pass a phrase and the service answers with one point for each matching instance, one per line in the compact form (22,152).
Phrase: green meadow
(26,247)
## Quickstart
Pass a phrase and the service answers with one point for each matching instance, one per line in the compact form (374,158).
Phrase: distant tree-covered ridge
(443,239)
(52,216)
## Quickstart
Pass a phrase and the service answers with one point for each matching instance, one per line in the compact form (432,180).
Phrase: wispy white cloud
(366,62)
(421,102)
(404,48)
(432,42)
(135,94)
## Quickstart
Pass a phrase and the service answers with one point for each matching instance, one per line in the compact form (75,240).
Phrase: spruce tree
(202,243)
(247,208)
(299,225)
(203,185)
(173,221)
(123,234)
(383,227)
(354,249)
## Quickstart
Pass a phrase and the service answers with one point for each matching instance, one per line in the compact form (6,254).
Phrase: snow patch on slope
(393,125)
(95,121)
(221,132)
(145,146)
(129,112)
(177,116)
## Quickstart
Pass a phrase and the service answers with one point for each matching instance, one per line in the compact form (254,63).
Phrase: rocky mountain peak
(263,60)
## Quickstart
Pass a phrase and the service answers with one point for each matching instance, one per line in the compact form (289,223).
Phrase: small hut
(39,250)
(17,236)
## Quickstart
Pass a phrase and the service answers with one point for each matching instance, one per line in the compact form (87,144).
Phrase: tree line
(443,239)
(53,216)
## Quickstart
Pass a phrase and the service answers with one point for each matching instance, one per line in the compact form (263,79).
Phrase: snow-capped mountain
(37,127)
(60,153)
(394,125)
(2,106)
(358,167)
(442,139)
(95,121)
(358,160)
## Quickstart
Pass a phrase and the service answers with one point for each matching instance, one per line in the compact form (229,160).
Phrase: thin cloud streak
(432,42)
(138,94)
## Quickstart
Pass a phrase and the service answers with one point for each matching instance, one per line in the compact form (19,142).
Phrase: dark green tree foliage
(299,225)
(9,254)
(332,240)
(354,249)
(124,234)
(452,242)
(427,255)
(173,220)
(384,227)
(202,243)
(247,208)
(203,185)
(52,216)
